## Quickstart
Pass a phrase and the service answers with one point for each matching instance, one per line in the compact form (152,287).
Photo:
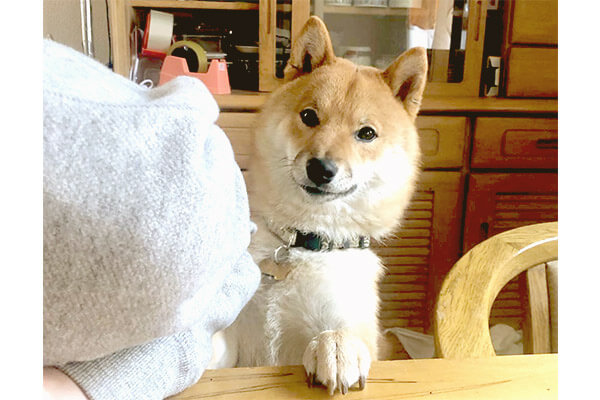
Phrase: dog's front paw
(338,360)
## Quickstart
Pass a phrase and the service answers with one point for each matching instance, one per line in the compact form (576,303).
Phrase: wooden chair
(462,312)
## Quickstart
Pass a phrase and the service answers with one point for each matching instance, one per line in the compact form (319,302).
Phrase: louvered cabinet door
(422,250)
(497,202)
(238,128)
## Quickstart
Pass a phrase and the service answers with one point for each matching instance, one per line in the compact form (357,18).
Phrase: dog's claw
(310,380)
(343,388)
(344,360)
(330,387)
(362,382)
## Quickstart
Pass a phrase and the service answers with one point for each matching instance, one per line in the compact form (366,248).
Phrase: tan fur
(326,309)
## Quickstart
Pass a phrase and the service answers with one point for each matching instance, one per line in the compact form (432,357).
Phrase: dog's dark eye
(309,117)
(366,134)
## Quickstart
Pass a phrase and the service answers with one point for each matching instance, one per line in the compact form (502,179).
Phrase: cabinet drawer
(534,22)
(515,143)
(442,141)
(238,128)
(532,72)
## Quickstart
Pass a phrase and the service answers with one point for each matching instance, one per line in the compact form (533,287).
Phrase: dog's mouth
(315,191)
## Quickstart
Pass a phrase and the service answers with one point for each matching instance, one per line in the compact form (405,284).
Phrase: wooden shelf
(353,10)
(242,5)
(203,5)
(240,100)
(451,104)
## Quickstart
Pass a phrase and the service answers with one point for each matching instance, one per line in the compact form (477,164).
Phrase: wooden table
(503,377)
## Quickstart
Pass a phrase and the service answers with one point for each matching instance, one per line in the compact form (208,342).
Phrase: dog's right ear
(407,77)
(310,50)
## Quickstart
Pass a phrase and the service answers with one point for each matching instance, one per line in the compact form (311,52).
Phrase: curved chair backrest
(462,311)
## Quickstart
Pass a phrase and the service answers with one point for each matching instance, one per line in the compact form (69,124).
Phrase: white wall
(62,22)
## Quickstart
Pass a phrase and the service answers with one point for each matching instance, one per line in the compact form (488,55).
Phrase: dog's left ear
(310,50)
(407,76)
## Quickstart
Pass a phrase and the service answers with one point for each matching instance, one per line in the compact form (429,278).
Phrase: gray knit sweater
(146,226)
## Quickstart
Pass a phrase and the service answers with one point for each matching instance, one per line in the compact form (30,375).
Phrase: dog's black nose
(320,170)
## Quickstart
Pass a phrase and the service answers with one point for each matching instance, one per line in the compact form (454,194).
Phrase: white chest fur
(324,291)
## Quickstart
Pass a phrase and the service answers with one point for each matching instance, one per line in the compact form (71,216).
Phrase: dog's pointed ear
(407,76)
(310,50)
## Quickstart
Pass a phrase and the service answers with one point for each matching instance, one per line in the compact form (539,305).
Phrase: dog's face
(338,139)
(345,132)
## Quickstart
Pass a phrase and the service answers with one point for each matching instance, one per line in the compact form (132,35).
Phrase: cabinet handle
(478,16)
(547,144)
(484,229)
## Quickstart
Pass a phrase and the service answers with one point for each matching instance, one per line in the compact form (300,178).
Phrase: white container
(338,2)
(360,55)
(371,3)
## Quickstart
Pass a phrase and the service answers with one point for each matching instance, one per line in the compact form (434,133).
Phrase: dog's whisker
(286,162)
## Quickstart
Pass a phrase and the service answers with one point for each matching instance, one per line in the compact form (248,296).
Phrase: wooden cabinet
(455,54)
(420,252)
(515,143)
(255,48)
(442,141)
(489,164)
(532,22)
(531,72)
(530,48)
(453,32)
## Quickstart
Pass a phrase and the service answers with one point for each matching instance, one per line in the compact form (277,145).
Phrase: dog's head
(336,144)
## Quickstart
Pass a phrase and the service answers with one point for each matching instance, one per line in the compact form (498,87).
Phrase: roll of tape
(192,52)
(159,30)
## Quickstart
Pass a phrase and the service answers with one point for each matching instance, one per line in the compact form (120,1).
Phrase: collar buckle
(281,254)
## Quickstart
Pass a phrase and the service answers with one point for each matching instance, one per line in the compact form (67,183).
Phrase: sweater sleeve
(151,371)
(165,366)
(146,229)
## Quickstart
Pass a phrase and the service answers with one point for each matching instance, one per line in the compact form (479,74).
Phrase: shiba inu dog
(335,164)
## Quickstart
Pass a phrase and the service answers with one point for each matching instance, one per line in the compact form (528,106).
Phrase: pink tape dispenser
(216,78)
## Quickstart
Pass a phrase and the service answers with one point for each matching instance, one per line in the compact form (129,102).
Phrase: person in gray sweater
(146,228)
